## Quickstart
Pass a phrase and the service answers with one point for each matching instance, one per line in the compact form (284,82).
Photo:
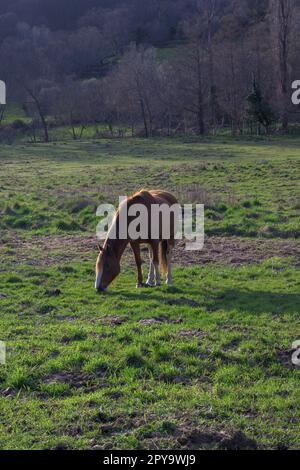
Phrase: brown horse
(160,249)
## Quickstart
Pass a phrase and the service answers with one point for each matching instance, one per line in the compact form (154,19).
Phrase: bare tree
(38,103)
(208,17)
(29,72)
(283,22)
(137,77)
(190,73)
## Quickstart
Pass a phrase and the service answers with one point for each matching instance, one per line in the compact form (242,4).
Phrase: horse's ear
(99,247)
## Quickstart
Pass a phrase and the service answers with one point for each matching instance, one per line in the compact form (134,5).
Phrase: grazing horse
(160,249)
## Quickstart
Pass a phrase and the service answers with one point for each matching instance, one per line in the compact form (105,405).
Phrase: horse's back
(149,198)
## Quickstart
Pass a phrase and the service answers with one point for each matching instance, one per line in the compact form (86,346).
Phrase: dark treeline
(157,68)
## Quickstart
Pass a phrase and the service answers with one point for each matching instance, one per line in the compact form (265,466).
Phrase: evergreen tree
(259,109)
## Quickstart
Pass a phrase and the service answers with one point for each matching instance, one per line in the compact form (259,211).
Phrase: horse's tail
(163,249)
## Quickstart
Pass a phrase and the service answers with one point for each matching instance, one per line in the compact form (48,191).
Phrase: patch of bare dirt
(190,437)
(238,441)
(114,320)
(183,301)
(190,333)
(48,250)
(194,438)
(285,358)
(53,293)
(238,251)
(150,322)
(159,320)
(7,393)
(231,346)
(66,318)
(75,379)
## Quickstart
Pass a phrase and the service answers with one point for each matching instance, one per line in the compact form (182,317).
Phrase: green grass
(76,376)
(204,364)
(14,112)
(249,188)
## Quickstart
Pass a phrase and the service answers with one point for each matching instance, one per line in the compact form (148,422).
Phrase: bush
(7,135)
(67,226)
(19,124)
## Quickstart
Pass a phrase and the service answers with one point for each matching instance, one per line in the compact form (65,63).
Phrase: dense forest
(150,68)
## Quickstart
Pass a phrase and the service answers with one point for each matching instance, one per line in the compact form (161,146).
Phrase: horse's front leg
(137,255)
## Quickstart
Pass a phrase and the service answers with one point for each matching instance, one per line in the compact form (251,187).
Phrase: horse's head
(107,268)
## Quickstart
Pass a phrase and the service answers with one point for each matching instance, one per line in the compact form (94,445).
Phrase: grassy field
(249,188)
(204,364)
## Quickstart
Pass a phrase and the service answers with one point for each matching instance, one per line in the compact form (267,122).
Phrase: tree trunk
(212,90)
(144,118)
(284,18)
(235,118)
(200,111)
(45,127)
(81,131)
(2,111)
(74,133)
(41,114)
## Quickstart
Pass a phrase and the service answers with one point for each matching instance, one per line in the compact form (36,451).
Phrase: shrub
(19,124)
(67,226)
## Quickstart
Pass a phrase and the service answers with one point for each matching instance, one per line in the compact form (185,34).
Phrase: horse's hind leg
(150,280)
(154,275)
(155,249)
(137,255)
(169,254)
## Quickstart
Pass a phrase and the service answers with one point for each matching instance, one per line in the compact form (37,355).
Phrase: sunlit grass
(77,354)
(147,368)
(249,188)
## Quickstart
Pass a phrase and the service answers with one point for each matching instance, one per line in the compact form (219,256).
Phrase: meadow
(205,364)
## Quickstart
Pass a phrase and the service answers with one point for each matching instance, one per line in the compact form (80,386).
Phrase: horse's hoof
(149,285)
(139,286)
(158,284)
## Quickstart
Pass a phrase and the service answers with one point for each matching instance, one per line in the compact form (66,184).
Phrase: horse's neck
(114,236)
(119,247)
(118,244)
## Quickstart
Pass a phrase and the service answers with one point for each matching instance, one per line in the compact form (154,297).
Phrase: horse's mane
(143,194)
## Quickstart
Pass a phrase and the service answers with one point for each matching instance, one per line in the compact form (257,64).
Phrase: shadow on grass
(255,302)
(152,293)
(250,302)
